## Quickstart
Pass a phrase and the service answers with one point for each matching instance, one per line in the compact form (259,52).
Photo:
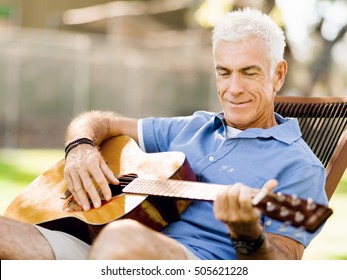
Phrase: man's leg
(128,239)
(22,241)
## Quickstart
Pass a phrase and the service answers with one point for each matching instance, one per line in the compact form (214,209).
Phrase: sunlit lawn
(19,167)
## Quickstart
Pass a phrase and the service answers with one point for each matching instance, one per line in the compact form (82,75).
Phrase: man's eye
(223,73)
(250,74)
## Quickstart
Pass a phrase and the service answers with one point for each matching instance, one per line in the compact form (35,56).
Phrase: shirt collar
(218,121)
(287,130)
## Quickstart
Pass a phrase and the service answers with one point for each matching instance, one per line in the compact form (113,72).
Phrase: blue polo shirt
(251,157)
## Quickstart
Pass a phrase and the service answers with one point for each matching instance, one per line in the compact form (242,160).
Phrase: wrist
(247,247)
(251,233)
(73,144)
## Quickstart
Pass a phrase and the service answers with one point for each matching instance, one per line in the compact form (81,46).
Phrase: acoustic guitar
(154,189)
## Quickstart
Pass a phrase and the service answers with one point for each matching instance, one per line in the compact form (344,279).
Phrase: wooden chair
(323,122)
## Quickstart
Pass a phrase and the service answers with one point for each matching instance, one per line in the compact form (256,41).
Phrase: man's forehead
(241,54)
(242,42)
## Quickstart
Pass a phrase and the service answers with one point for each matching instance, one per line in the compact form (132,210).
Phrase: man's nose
(235,84)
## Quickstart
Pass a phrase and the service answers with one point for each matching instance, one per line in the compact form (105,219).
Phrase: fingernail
(108,197)
(97,204)
(85,207)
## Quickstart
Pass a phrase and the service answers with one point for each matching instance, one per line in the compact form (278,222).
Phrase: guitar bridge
(67,194)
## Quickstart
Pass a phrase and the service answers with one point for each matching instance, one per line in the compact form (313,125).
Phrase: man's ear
(280,75)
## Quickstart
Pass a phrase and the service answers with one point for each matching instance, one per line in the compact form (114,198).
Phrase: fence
(48,77)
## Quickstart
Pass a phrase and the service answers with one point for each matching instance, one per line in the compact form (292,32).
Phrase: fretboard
(175,188)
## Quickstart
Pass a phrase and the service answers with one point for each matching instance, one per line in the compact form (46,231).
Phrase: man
(246,146)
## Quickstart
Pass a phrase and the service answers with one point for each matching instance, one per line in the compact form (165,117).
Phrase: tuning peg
(295,200)
(284,211)
(311,205)
(280,197)
(299,217)
(270,206)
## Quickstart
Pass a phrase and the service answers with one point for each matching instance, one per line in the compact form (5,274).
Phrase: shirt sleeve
(307,182)
(140,135)
(157,133)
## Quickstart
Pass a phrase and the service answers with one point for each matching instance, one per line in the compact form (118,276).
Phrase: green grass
(331,243)
(19,167)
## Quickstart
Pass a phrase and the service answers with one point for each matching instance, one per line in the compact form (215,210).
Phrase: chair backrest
(323,123)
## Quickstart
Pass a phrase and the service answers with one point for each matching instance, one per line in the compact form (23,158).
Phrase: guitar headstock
(301,213)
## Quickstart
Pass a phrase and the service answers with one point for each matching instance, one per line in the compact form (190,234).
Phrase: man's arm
(277,247)
(84,163)
(99,126)
(234,208)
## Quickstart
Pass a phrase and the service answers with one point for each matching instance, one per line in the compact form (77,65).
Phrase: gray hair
(249,22)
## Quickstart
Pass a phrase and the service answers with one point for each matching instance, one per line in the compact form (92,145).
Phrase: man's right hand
(86,171)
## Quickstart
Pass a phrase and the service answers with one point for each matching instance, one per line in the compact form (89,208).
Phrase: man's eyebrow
(219,67)
(246,68)
(251,67)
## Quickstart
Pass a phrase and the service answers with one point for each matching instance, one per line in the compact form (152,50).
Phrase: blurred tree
(328,34)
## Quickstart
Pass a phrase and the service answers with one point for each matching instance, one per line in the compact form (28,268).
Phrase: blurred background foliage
(141,58)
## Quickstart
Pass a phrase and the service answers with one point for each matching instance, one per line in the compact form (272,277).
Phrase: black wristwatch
(248,247)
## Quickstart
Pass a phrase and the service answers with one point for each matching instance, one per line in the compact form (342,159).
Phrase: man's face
(245,86)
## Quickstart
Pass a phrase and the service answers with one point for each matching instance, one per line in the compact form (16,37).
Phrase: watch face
(244,249)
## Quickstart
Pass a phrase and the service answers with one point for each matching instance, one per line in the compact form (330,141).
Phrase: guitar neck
(305,214)
(175,188)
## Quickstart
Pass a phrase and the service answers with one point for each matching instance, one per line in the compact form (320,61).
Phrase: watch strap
(248,247)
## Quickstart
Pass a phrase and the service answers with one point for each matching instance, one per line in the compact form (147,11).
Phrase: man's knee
(122,239)
(129,240)
(124,225)
(122,230)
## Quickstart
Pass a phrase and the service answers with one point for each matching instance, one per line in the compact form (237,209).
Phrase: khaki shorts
(68,247)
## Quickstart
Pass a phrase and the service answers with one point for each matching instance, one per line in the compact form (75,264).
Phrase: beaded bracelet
(77,142)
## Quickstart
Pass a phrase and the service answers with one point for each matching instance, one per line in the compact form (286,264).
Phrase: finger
(90,188)
(226,203)
(267,188)
(245,201)
(102,182)
(233,197)
(108,173)
(270,185)
(71,188)
(79,192)
(219,206)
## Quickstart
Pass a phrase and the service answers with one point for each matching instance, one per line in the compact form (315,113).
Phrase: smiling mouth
(239,103)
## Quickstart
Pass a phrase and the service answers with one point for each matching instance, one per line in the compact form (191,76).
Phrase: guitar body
(41,202)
